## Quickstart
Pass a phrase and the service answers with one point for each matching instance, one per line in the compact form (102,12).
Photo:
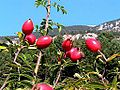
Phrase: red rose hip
(93,44)
(68,53)
(44,42)
(42,86)
(67,45)
(28,27)
(76,55)
(30,38)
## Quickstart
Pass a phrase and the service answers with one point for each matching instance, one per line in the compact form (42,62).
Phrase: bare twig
(58,77)
(38,63)
(5,82)
(102,55)
(19,73)
(47,16)
(17,53)
(104,80)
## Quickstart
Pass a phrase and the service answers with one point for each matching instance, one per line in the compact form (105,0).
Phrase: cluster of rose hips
(75,53)
(72,52)
(42,42)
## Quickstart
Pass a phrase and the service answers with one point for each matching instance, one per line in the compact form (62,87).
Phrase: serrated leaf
(112,57)
(40,3)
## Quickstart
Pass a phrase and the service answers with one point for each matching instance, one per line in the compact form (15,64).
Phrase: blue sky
(13,13)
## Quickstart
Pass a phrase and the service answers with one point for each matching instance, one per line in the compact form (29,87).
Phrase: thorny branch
(17,53)
(38,63)
(15,58)
(48,15)
(58,77)
(5,82)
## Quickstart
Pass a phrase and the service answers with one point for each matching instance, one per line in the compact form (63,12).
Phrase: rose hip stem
(105,59)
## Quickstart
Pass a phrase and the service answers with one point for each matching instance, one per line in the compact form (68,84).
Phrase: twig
(105,59)
(47,16)
(58,77)
(17,53)
(5,82)
(38,63)
(19,73)
(103,79)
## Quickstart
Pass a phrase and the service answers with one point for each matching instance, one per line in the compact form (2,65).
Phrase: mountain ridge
(113,25)
(109,25)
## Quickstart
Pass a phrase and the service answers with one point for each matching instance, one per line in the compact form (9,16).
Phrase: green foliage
(48,4)
(87,74)
(20,68)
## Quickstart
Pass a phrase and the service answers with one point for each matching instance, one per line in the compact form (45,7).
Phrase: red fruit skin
(27,27)
(76,55)
(42,86)
(68,53)
(44,42)
(30,38)
(93,44)
(67,45)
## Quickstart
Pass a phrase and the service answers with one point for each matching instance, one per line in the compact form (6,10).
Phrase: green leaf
(54,4)
(114,83)
(59,28)
(40,3)
(3,47)
(95,85)
(23,75)
(36,28)
(58,8)
(20,36)
(24,58)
